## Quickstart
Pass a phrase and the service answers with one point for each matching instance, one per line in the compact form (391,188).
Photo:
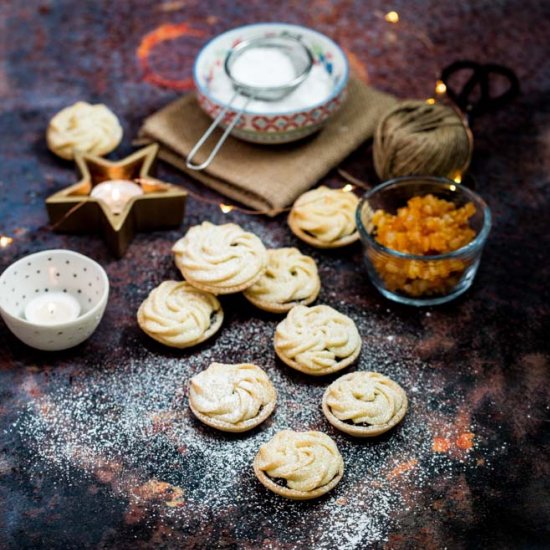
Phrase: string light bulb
(430,101)
(226,208)
(440,87)
(348,187)
(5,241)
(457,178)
(392,17)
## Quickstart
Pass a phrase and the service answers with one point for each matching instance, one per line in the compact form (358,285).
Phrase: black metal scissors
(475,97)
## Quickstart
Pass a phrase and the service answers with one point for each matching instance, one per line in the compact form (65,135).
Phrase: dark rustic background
(97,446)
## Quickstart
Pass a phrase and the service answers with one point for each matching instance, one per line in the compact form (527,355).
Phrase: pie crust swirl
(232,398)
(290,278)
(364,404)
(178,315)
(325,217)
(317,340)
(91,129)
(221,259)
(308,462)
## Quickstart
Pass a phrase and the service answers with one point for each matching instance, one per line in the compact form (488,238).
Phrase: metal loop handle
(208,132)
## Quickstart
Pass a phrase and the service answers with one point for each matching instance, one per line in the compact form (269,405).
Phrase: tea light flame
(116,194)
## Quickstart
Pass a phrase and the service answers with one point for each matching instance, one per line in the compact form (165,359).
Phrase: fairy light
(430,101)
(348,187)
(440,87)
(392,17)
(5,241)
(452,187)
(457,178)
(226,208)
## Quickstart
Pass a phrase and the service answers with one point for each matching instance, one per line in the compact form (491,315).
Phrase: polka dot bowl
(53,271)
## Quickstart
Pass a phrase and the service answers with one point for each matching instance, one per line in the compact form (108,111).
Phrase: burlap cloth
(260,176)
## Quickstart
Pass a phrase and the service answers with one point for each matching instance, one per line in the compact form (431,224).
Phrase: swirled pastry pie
(92,129)
(232,398)
(317,340)
(221,259)
(325,217)
(364,404)
(290,279)
(299,465)
(178,315)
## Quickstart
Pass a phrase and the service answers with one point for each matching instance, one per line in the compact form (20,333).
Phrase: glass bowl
(421,280)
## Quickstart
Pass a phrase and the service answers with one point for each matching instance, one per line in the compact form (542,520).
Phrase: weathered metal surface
(97,445)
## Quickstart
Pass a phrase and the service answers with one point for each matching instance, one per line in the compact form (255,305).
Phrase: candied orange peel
(426,226)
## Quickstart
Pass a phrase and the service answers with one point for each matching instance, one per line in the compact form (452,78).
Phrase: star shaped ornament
(117,198)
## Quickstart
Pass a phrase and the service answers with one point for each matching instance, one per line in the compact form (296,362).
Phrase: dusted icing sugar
(263,67)
(272,70)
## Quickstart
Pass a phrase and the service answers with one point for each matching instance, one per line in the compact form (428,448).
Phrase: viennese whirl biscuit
(92,129)
(232,398)
(317,340)
(364,404)
(220,259)
(179,315)
(291,278)
(299,465)
(325,217)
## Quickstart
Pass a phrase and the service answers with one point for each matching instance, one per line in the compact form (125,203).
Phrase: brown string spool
(416,138)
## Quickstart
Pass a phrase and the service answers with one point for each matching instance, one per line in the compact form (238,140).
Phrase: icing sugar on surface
(122,422)
(128,423)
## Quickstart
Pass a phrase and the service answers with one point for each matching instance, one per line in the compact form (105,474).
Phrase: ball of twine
(420,139)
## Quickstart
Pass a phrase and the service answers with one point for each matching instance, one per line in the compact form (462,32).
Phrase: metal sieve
(302,60)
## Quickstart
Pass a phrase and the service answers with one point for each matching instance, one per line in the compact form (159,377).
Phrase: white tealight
(264,67)
(52,308)
(116,193)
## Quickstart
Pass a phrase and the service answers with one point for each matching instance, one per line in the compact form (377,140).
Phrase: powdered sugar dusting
(128,424)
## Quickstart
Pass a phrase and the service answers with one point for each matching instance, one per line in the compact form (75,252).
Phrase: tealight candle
(52,308)
(116,193)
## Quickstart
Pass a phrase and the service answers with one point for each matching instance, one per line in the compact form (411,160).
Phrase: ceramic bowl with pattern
(51,273)
(274,124)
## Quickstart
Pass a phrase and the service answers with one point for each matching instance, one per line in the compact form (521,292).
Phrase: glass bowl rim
(450,185)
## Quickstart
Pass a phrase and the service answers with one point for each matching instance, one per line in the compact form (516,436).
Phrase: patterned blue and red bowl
(275,126)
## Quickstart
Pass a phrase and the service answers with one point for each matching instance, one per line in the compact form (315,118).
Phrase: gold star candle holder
(73,210)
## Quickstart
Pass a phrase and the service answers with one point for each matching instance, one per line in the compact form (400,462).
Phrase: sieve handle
(208,132)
